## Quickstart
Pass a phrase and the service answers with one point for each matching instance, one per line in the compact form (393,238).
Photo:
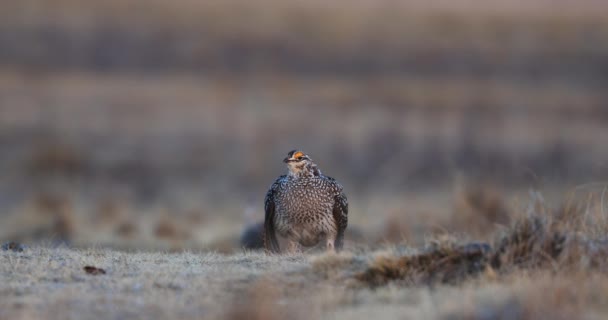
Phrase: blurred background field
(160,124)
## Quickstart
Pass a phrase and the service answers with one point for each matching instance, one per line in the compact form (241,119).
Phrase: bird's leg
(294,247)
(330,244)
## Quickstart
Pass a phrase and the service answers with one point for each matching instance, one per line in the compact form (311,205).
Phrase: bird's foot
(294,247)
(330,246)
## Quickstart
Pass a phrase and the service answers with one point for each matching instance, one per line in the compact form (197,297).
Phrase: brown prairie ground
(546,264)
(138,137)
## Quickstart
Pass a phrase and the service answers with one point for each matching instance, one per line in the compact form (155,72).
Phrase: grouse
(305,207)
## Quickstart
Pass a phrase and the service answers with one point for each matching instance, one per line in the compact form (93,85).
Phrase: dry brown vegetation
(138,137)
(366,37)
(546,264)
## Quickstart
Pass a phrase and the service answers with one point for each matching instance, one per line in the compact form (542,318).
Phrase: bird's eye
(299,158)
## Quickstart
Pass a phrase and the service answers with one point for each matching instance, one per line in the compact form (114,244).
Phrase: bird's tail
(271,244)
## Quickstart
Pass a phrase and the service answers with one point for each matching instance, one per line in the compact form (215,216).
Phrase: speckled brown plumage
(305,207)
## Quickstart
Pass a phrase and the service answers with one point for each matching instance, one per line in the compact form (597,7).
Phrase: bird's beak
(287,160)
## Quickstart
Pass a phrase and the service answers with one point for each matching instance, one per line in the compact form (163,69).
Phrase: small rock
(13,246)
(94,270)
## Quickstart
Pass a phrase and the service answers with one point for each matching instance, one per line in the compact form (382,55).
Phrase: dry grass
(122,154)
(314,36)
(546,264)
(160,131)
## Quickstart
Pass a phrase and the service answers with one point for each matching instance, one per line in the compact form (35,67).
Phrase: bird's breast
(304,210)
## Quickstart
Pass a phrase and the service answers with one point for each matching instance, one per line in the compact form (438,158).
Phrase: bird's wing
(340,213)
(271,243)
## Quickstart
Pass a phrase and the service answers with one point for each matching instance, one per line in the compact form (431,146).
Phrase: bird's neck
(306,170)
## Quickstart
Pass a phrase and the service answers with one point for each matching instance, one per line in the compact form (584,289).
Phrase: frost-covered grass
(543,266)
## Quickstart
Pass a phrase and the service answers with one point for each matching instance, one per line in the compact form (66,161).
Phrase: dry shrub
(48,202)
(442,261)
(114,214)
(126,229)
(56,159)
(335,265)
(569,237)
(109,210)
(56,216)
(541,238)
(531,241)
(46,216)
(166,228)
(590,254)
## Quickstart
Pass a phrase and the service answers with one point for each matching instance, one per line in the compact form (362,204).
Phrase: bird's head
(300,164)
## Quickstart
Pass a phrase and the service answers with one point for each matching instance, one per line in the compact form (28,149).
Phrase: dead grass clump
(591,254)
(109,210)
(571,236)
(171,230)
(48,202)
(531,241)
(46,216)
(126,229)
(559,240)
(335,265)
(167,229)
(444,262)
(56,213)
(56,159)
